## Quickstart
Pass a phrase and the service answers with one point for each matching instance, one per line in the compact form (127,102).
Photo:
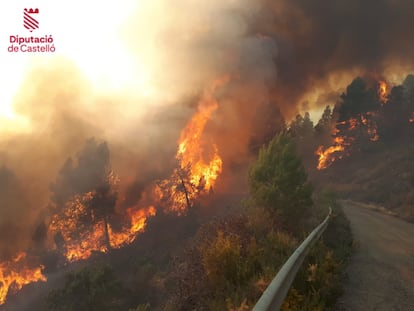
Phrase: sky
(87,34)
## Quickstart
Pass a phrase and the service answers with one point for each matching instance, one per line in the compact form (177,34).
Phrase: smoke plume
(282,57)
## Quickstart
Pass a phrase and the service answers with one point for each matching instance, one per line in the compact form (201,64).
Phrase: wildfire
(335,152)
(14,274)
(328,156)
(82,225)
(81,234)
(372,128)
(138,218)
(190,147)
(199,160)
(382,91)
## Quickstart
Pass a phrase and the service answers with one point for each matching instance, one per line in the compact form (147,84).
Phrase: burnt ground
(380,275)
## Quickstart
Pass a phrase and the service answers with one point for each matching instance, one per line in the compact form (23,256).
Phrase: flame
(190,146)
(382,91)
(82,239)
(328,156)
(79,233)
(372,128)
(14,274)
(199,160)
(335,152)
(353,123)
(138,218)
(411,119)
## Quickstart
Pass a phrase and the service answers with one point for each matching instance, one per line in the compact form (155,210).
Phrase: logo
(29,21)
(20,43)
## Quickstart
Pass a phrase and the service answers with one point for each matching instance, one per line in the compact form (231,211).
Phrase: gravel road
(380,275)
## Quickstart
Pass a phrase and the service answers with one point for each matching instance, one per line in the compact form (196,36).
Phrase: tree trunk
(108,242)
(185,192)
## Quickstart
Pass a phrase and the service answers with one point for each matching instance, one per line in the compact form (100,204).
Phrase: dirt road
(381,272)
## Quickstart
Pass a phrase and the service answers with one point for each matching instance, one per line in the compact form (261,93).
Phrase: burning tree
(356,124)
(83,199)
(356,111)
(198,161)
(178,192)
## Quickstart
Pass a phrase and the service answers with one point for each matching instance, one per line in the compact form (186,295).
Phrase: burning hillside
(86,215)
(358,115)
(16,273)
(152,82)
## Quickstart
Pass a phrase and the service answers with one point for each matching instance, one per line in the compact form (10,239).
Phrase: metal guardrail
(274,295)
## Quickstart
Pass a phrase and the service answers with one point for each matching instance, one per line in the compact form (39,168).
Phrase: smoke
(282,56)
(324,45)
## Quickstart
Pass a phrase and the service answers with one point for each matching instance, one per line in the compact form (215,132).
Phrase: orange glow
(382,91)
(411,118)
(329,155)
(335,152)
(14,274)
(81,238)
(138,218)
(371,127)
(190,146)
(353,123)
(199,160)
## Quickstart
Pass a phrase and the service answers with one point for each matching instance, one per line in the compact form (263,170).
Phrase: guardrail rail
(274,295)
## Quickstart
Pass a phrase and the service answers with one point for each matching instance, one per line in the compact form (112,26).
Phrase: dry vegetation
(228,262)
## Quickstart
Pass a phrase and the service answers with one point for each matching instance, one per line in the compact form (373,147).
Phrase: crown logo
(29,22)
(32,11)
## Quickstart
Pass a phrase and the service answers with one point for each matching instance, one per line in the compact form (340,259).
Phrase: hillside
(363,148)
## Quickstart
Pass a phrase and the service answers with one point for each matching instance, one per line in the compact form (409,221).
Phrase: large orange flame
(82,239)
(199,160)
(190,146)
(16,273)
(77,237)
(138,218)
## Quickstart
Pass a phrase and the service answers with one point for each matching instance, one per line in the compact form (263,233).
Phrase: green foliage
(325,122)
(235,260)
(144,307)
(90,289)
(301,127)
(278,181)
(222,259)
(319,281)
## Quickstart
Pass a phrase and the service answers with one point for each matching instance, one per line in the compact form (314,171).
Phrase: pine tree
(278,181)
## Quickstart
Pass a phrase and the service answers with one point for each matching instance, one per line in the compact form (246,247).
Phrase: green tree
(90,289)
(301,127)
(278,181)
(325,123)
